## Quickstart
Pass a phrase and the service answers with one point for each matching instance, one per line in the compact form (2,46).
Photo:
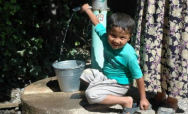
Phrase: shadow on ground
(53,85)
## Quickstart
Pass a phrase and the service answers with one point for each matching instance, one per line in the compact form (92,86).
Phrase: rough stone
(39,87)
(42,97)
(145,112)
(8,105)
(45,97)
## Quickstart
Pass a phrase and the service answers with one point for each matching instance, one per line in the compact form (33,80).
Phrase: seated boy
(120,64)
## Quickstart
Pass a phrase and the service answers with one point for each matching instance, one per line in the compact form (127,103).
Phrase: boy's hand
(144,104)
(85,7)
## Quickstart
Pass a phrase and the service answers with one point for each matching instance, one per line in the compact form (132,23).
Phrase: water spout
(76,9)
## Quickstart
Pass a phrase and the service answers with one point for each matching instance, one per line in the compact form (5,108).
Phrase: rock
(41,98)
(9,105)
(145,112)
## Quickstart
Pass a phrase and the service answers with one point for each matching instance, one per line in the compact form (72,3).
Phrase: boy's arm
(87,9)
(144,103)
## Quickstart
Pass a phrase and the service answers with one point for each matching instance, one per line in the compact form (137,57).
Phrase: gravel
(183,104)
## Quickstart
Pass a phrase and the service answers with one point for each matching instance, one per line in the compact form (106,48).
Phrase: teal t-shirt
(119,64)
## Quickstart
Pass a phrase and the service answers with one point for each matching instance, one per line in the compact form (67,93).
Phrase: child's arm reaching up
(87,9)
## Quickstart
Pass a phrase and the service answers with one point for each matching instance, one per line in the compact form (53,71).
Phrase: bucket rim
(78,67)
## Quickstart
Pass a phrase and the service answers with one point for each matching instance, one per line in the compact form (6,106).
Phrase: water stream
(65,35)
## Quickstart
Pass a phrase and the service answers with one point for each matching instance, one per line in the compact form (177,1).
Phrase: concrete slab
(40,86)
(44,97)
(58,103)
(8,105)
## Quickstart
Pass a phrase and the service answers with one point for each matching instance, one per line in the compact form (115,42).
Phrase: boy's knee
(91,96)
(85,73)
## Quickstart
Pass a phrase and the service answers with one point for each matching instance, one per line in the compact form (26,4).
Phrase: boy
(120,64)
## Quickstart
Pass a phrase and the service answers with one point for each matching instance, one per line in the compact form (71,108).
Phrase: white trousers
(100,86)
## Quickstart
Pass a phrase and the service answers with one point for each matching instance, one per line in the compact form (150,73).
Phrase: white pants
(100,86)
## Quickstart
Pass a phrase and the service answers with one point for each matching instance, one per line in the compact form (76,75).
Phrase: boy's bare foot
(128,102)
(128,107)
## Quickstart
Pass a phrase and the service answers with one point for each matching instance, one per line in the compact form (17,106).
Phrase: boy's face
(117,37)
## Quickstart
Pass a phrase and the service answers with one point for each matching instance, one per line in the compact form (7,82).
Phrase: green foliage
(31,33)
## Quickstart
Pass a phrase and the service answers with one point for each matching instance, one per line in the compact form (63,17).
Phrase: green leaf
(30,52)
(21,52)
(8,22)
(77,43)
(37,26)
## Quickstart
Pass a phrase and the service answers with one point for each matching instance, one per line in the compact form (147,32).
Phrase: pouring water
(68,72)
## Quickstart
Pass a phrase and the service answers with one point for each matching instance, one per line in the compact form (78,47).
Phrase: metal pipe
(100,5)
(100,9)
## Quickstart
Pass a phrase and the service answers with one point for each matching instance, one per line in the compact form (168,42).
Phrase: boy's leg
(87,76)
(90,75)
(125,102)
(108,92)
(85,79)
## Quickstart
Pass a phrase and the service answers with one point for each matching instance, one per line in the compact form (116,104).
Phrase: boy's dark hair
(120,20)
